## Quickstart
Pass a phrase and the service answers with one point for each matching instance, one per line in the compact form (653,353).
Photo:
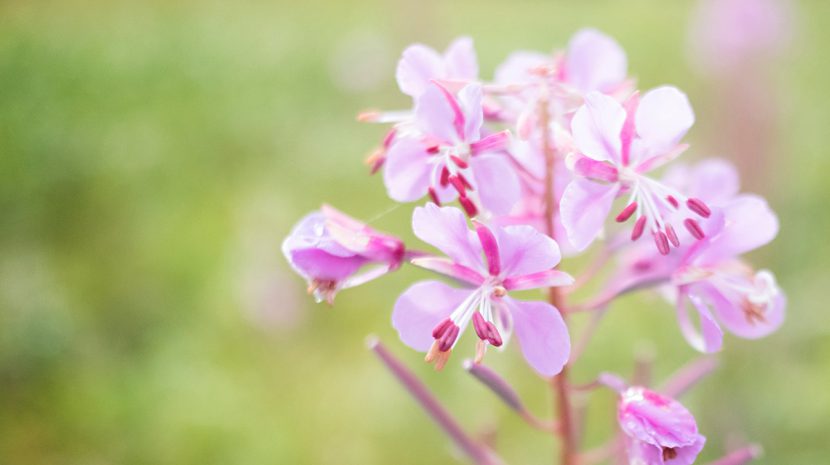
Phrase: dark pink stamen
(662,242)
(465,181)
(694,228)
(458,184)
(441,328)
(673,201)
(433,149)
(390,137)
(697,206)
(469,206)
(445,177)
(433,195)
(480,325)
(627,212)
(672,235)
(448,338)
(639,227)
(493,336)
(459,162)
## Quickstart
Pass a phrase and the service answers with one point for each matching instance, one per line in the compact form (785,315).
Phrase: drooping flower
(448,157)
(490,262)
(722,288)
(330,249)
(617,146)
(658,430)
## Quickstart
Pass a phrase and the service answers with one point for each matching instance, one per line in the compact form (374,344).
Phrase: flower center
(659,207)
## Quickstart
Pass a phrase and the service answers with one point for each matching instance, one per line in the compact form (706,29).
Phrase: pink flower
(658,430)
(329,248)
(420,65)
(592,62)
(617,146)
(723,289)
(430,316)
(447,156)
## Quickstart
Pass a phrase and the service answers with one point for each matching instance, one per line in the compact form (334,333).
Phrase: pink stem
(477,452)
(740,456)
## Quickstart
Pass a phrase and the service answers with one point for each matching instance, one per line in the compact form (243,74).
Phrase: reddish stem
(559,383)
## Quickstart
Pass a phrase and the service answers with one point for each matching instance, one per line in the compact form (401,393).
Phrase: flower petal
(584,207)
(750,223)
(497,183)
(460,59)
(469,100)
(438,114)
(710,337)
(446,229)
(421,307)
(729,307)
(525,250)
(318,264)
(714,180)
(406,172)
(417,66)
(549,278)
(596,127)
(662,119)
(542,334)
(449,268)
(595,61)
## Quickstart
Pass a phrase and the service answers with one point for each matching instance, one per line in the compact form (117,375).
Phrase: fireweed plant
(556,153)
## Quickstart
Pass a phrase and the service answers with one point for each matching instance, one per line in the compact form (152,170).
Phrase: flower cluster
(511,173)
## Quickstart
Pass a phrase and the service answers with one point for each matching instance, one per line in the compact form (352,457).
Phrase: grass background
(153,155)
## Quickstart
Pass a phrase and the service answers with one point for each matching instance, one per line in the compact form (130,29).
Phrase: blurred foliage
(153,154)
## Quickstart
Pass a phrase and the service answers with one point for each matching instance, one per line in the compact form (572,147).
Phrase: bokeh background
(153,155)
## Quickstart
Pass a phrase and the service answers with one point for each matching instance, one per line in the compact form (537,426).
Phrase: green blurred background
(153,155)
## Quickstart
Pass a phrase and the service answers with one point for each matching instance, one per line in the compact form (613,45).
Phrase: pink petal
(460,59)
(492,143)
(542,334)
(584,207)
(318,264)
(438,114)
(469,100)
(417,66)
(714,180)
(449,268)
(525,250)
(496,181)
(663,118)
(750,223)
(421,307)
(654,419)
(597,126)
(446,229)
(407,171)
(516,68)
(729,308)
(549,278)
(710,337)
(490,248)
(595,62)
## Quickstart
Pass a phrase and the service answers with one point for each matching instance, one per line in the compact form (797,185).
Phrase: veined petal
(449,268)
(439,115)
(710,337)
(542,335)
(319,264)
(472,113)
(446,229)
(497,183)
(597,126)
(735,312)
(714,180)
(491,143)
(595,61)
(406,172)
(549,278)
(460,59)
(417,66)
(750,223)
(663,117)
(421,307)
(525,250)
(584,207)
